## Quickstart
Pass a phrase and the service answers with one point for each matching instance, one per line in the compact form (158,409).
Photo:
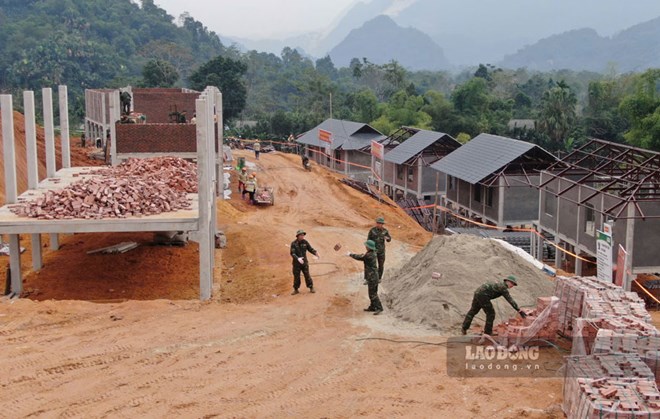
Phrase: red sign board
(377,149)
(620,266)
(325,136)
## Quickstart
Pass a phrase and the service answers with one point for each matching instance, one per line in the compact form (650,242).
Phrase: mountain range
(448,34)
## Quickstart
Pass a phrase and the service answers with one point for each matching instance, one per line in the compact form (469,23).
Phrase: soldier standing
(371,275)
(299,249)
(379,235)
(481,300)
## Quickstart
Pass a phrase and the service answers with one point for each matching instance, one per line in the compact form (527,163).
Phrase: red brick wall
(157,104)
(156,138)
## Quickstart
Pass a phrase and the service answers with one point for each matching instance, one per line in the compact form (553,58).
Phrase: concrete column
(31,140)
(205,272)
(11,193)
(32,168)
(49,129)
(64,126)
(114,117)
(578,265)
(219,163)
(8,148)
(630,240)
(558,253)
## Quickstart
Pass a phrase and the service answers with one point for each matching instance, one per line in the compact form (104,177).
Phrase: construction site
(117,323)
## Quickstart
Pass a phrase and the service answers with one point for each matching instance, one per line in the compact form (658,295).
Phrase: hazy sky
(259,18)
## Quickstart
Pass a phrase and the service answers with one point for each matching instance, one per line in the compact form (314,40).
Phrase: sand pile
(465,263)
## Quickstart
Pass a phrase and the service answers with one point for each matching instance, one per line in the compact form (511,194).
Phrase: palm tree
(557,115)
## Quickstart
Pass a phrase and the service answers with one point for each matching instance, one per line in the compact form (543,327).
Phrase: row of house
(601,186)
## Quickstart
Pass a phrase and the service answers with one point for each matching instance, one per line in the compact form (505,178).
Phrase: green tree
(558,114)
(158,73)
(642,109)
(227,75)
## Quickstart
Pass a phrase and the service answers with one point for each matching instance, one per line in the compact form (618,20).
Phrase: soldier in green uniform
(371,275)
(481,300)
(299,249)
(379,235)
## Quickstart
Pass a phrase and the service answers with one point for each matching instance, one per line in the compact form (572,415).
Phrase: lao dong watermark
(470,358)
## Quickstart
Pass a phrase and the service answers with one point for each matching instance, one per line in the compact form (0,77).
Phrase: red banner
(325,136)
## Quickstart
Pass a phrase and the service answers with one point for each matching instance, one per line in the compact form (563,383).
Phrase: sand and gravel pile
(417,293)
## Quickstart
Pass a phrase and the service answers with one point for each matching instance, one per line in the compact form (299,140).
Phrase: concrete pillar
(64,126)
(49,129)
(115,109)
(630,240)
(219,163)
(578,266)
(558,254)
(205,271)
(32,168)
(11,193)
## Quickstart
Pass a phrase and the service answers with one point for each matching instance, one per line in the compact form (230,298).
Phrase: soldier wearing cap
(481,300)
(299,249)
(371,275)
(379,235)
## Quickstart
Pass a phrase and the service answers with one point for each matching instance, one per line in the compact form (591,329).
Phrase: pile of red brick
(613,385)
(588,297)
(137,188)
(177,173)
(540,325)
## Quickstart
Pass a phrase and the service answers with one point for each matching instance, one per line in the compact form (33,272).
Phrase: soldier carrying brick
(481,300)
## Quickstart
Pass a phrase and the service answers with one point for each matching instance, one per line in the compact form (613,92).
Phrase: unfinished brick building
(164,128)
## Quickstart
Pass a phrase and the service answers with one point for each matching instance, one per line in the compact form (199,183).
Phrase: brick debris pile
(418,294)
(138,188)
(177,173)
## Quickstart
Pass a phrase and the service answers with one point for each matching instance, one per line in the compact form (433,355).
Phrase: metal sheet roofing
(483,156)
(346,135)
(416,144)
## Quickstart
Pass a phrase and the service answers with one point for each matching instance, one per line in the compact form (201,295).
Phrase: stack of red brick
(588,297)
(610,386)
(540,325)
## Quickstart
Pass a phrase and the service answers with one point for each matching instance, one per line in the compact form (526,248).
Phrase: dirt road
(254,350)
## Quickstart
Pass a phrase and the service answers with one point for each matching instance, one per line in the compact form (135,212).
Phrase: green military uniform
(299,249)
(371,275)
(481,300)
(379,236)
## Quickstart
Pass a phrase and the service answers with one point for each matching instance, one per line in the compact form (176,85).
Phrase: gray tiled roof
(415,145)
(346,135)
(483,156)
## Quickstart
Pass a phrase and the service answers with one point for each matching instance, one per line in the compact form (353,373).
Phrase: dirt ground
(125,336)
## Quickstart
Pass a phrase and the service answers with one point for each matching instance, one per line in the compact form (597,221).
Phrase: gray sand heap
(465,262)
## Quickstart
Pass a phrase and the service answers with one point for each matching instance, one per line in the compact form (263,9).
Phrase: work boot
(463,331)
(312,290)
(369,309)
(378,311)
(295,291)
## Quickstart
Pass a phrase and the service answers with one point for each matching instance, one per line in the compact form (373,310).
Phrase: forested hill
(94,43)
